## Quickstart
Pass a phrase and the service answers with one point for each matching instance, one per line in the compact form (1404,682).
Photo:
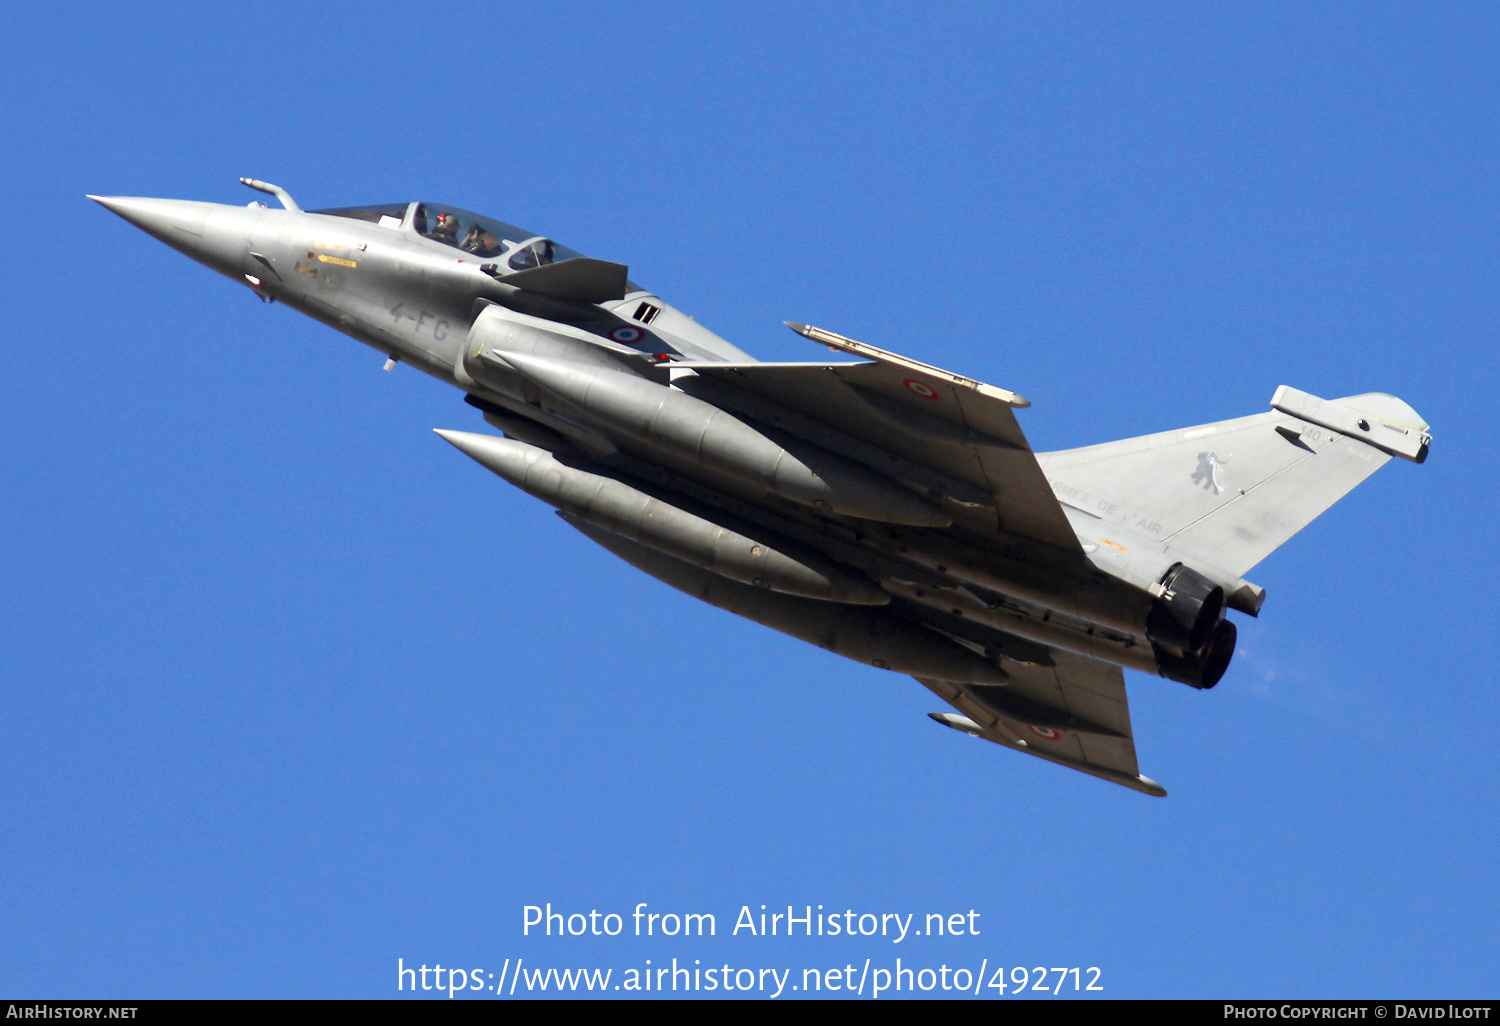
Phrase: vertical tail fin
(1229,494)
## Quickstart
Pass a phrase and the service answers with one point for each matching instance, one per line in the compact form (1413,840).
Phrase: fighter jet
(874,505)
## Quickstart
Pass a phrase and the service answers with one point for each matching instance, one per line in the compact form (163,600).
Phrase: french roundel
(625,333)
(924,390)
(1046,732)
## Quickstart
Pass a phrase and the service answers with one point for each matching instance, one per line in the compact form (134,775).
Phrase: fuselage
(424,284)
(370,273)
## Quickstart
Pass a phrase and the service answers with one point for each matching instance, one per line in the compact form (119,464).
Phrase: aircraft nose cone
(169,220)
(211,233)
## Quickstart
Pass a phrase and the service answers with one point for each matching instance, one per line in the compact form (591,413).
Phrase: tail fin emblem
(1210,472)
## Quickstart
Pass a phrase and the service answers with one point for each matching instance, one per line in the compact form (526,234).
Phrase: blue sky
(293,690)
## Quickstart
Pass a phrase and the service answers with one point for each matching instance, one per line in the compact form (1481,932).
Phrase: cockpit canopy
(515,248)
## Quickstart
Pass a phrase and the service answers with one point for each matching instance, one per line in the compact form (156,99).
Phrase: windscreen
(486,238)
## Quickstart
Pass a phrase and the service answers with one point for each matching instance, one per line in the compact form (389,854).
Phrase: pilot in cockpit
(479,242)
(446,229)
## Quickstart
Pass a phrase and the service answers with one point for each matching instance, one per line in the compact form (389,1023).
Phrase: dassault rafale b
(873,505)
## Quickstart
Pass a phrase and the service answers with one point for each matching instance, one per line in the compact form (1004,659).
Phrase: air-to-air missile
(881,508)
